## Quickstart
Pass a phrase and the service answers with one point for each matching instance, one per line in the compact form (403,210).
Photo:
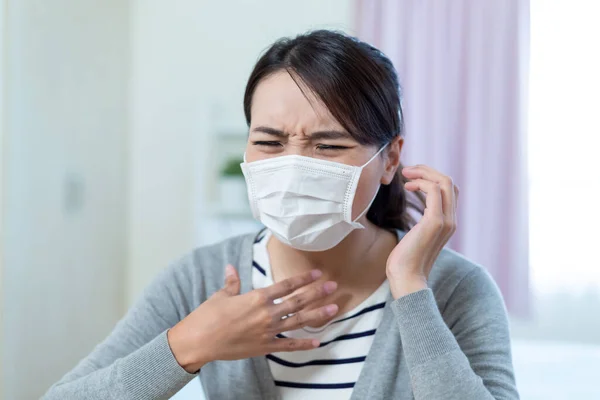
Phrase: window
(564,162)
(564,145)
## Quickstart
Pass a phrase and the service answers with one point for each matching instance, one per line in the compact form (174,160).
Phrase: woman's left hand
(410,262)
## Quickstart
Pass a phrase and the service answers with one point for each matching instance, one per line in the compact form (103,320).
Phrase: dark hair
(359,86)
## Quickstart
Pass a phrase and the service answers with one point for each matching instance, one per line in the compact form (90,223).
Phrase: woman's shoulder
(452,269)
(228,250)
(201,272)
(211,259)
(451,266)
(455,276)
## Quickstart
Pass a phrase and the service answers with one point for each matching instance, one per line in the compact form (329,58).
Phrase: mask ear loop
(375,155)
(376,192)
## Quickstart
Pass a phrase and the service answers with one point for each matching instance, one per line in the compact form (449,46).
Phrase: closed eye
(331,147)
(268,143)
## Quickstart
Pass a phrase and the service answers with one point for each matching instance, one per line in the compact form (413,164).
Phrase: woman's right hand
(230,326)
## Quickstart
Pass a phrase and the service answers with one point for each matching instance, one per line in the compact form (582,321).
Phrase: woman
(341,296)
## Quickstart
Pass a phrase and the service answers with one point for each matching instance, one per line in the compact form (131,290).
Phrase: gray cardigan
(449,342)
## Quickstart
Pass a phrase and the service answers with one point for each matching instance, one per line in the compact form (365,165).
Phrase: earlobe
(392,161)
(388,176)
(391,166)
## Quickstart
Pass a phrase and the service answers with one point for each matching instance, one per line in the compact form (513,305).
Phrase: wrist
(184,350)
(402,285)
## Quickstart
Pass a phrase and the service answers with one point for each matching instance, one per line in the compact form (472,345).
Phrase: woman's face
(285,122)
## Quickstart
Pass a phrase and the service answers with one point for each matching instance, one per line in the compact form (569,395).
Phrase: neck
(343,263)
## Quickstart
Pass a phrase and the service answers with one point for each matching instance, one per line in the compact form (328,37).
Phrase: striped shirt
(331,370)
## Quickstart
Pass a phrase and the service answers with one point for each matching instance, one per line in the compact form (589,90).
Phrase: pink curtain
(462,66)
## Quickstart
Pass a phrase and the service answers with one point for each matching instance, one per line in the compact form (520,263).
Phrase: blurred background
(122,130)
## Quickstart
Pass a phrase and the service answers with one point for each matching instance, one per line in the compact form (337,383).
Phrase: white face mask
(305,202)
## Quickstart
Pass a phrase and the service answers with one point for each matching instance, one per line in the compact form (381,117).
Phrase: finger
(289,344)
(456,193)
(318,317)
(298,301)
(433,195)
(232,281)
(290,285)
(446,184)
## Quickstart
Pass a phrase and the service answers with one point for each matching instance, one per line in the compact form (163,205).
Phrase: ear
(392,160)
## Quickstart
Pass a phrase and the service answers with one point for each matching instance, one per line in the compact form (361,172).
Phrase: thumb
(232,281)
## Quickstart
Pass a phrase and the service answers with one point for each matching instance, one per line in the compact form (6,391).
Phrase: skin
(316,286)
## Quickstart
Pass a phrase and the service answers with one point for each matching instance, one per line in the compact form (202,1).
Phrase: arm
(135,360)
(463,354)
(139,361)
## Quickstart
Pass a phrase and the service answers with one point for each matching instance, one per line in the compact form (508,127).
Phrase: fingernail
(229,271)
(315,343)
(331,309)
(330,286)
(316,274)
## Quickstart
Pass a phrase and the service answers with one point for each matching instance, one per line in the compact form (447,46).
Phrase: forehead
(280,102)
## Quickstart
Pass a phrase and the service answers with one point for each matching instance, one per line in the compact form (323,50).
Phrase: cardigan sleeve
(135,360)
(463,352)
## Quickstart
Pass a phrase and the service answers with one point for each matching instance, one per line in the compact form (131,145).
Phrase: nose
(299,145)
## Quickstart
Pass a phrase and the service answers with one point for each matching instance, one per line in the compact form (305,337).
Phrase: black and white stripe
(331,370)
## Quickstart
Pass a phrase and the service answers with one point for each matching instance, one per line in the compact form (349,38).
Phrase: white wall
(65,85)
(109,118)
(190,63)
(2,159)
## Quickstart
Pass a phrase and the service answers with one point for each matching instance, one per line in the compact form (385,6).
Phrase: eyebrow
(270,131)
(328,134)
